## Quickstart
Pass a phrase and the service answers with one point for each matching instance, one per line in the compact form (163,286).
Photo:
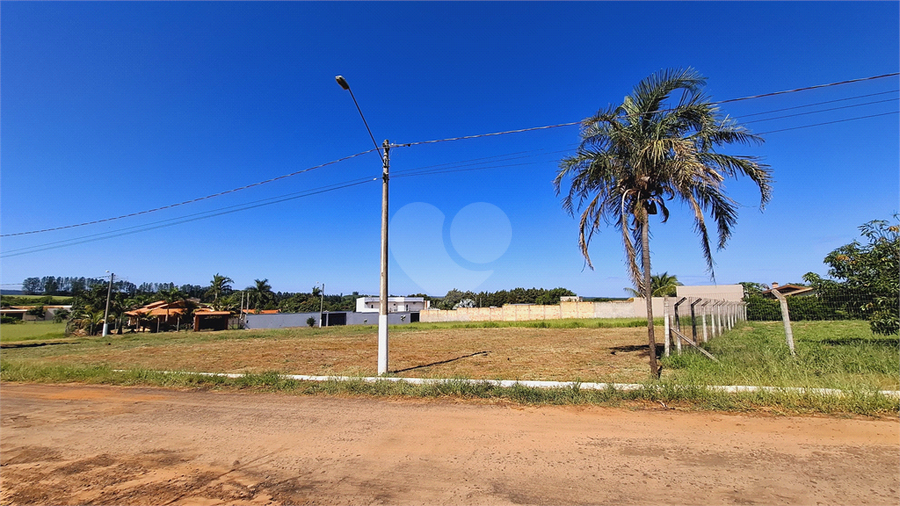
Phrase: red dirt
(78,444)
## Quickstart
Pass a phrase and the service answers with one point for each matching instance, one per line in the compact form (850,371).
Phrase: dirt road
(113,445)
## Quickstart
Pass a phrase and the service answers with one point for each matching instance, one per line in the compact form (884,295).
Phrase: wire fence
(694,321)
(838,305)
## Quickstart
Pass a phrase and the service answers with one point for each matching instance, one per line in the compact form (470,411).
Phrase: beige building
(731,293)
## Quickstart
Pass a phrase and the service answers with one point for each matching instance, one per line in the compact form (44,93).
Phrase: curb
(543,384)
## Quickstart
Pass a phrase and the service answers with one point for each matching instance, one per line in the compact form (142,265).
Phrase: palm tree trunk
(648,287)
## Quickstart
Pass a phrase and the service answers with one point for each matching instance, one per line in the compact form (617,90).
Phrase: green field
(31,331)
(31,300)
(829,354)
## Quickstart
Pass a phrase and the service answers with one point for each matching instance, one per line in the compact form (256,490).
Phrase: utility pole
(106,315)
(383,305)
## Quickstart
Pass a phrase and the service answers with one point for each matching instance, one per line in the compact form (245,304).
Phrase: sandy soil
(113,445)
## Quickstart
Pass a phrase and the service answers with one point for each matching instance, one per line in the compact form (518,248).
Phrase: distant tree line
(456,298)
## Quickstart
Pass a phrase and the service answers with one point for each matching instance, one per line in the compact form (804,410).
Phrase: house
(261,311)
(13,312)
(160,314)
(789,290)
(395,304)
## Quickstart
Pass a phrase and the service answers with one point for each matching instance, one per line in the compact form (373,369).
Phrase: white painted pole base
(105,329)
(382,344)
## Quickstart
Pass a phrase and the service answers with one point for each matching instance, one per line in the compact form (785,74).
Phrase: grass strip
(668,394)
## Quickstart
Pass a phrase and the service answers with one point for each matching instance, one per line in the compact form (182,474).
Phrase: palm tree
(636,156)
(218,285)
(170,295)
(662,285)
(260,293)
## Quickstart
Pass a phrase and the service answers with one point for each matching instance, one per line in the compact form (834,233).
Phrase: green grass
(654,394)
(829,354)
(31,331)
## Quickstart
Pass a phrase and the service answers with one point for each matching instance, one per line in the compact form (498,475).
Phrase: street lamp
(383,296)
(108,294)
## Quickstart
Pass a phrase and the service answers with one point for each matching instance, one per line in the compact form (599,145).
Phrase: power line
(820,110)
(198,199)
(829,122)
(183,219)
(463,138)
(818,103)
(573,123)
(807,88)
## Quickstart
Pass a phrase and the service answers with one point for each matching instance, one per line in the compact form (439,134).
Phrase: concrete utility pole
(383,296)
(106,315)
(383,304)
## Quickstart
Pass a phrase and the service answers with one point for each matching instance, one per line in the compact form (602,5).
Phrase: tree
(219,284)
(662,285)
(260,293)
(86,306)
(870,275)
(170,295)
(752,288)
(32,286)
(51,286)
(636,156)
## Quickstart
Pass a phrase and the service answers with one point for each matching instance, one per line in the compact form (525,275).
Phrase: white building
(395,304)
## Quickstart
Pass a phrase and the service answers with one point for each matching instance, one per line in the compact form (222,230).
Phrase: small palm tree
(636,156)
(170,295)
(662,285)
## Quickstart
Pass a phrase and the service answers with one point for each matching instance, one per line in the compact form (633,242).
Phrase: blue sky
(113,108)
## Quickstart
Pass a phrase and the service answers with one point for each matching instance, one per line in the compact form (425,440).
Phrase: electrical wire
(829,122)
(807,88)
(818,103)
(573,123)
(521,130)
(182,219)
(198,199)
(820,110)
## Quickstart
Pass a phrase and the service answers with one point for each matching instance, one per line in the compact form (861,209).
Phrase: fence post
(666,324)
(703,319)
(694,320)
(786,318)
(678,323)
(720,323)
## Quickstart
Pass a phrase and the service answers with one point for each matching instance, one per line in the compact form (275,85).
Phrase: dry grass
(598,354)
